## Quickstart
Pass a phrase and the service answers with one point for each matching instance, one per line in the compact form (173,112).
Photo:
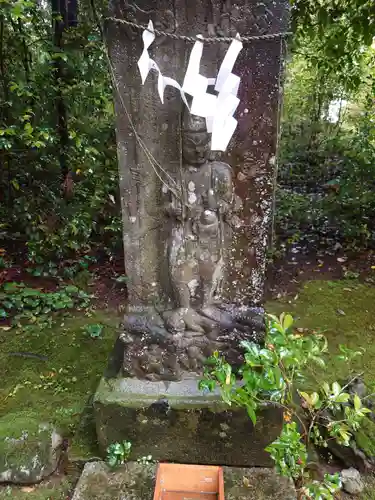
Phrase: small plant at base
(94,331)
(322,490)
(118,453)
(288,452)
(272,374)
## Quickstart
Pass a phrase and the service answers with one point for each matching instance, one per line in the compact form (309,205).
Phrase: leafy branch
(275,373)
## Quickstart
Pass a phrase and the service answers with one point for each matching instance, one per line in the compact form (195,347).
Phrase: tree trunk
(64,15)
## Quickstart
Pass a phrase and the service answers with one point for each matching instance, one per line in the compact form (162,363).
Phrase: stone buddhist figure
(195,248)
(199,207)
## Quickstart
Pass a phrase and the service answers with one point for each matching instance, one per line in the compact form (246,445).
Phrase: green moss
(369,491)
(60,389)
(319,307)
(14,425)
(365,437)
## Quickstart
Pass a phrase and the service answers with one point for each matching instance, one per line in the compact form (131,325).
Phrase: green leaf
(357,402)
(15,184)
(342,398)
(336,388)
(252,414)
(306,397)
(288,322)
(314,399)
(206,385)
(95,330)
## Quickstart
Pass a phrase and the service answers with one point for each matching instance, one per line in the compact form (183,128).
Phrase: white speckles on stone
(192,198)
(193,285)
(272,160)
(224,426)
(133,219)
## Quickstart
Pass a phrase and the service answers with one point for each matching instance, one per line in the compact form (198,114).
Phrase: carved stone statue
(198,208)
(195,229)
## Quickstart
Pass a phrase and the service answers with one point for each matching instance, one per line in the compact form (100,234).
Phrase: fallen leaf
(347,289)
(5,328)
(341,312)
(27,489)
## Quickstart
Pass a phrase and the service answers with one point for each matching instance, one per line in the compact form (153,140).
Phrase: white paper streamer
(217,109)
(145,64)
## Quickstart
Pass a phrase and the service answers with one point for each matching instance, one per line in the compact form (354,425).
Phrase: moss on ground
(344,312)
(59,389)
(365,437)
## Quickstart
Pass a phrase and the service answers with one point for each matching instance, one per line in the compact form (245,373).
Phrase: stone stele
(195,224)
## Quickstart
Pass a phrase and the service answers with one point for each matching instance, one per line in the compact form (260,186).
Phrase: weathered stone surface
(136,482)
(251,154)
(29,450)
(130,482)
(351,481)
(177,422)
(256,484)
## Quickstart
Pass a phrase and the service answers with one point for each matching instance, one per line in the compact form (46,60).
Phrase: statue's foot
(229,317)
(182,319)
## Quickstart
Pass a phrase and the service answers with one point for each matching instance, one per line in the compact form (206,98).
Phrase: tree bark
(64,15)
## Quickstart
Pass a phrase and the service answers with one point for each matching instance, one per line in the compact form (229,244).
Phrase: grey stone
(175,421)
(351,481)
(134,481)
(257,484)
(29,450)
(247,168)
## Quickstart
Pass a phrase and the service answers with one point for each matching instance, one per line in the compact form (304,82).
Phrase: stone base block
(176,422)
(137,482)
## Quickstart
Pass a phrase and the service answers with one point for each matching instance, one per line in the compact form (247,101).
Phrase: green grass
(59,389)
(318,307)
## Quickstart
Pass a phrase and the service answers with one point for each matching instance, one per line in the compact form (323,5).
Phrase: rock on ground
(137,481)
(351,481)
(131,482)
(29,450)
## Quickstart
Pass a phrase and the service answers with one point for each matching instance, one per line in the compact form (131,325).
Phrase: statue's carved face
(196,147)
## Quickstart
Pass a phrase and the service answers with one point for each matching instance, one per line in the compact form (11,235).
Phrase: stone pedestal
(176,422)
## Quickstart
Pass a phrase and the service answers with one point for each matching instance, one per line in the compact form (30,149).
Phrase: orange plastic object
(189,482)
